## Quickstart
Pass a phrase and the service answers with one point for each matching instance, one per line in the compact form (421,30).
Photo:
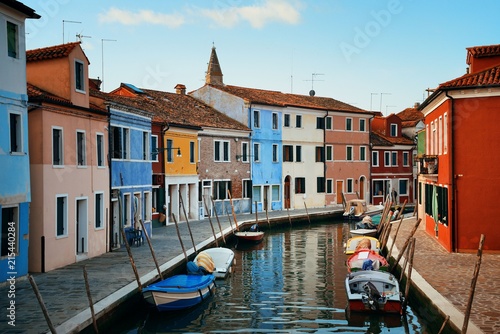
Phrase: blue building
(15,193)
(131,165)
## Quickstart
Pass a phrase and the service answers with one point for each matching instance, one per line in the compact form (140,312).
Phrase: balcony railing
(428,164)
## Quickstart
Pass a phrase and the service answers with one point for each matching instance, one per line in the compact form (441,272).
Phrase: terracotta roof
(410,117)
(276,98)
(36,94)
(180,109)
(487,77)
(483,51)
(51,52)
(378,138)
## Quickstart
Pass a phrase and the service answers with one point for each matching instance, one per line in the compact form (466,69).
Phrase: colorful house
(69,169)
(15,187)
(130,166)
(458,161)
(287,148)
(193,162)
(392,166)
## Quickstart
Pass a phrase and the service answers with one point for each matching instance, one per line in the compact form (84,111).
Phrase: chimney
(416,105)
(180,89)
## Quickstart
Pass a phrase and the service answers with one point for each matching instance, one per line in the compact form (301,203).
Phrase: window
(329,152)
(256,119)
(57,147)
(394,158)
(127,207)
(298,121)
(145,146)
(79,76)
(329,123)
(375,158)
(12,40)
(300,185)
(220,189)
(394,130)
(362,124)
(80,148)
(100,149)
(350,188)
(256,152)
(15,133)
(119,142)
(154,147)
(99,210)
(348,124)
(244,152)
(329,186)
(403,187)
(169,149)
(256,194)
(387,159)
(10,231)
(378,188)
(298,153)
(275,193)
(406,157)
(275,152)
(192,152)
(349,156)
(221,150)
(445,134)
(362,153)
(275,121)
(320,184)
(286,120)
(61,216)
(247,189)
(287,153)
(320,154)
(320,123)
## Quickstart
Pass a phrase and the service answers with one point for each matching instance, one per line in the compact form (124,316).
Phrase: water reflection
(292,282)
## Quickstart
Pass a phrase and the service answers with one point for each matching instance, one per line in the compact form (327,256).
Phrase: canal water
(292,282)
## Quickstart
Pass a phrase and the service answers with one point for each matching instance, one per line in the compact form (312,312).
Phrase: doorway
(81,228)
(339,190)
(287,192)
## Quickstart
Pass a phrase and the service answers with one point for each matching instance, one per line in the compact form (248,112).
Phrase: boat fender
(351,211)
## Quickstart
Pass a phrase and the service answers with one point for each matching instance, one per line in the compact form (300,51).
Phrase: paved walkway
(112,278)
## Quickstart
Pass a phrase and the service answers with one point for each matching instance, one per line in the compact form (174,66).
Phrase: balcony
(428,164)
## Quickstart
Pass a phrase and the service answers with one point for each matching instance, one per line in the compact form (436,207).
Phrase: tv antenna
(80,36)
(313,78)
(66,21)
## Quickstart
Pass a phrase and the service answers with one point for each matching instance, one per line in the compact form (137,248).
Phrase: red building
(392,168)
(459,164)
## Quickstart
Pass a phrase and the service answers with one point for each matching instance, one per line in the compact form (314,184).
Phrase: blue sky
(378,55)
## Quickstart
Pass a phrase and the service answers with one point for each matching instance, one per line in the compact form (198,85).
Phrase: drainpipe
(370,159)
(454,221)
(324,152)
(250,150)
(109,238)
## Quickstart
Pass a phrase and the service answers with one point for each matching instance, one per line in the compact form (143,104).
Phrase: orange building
(458,179)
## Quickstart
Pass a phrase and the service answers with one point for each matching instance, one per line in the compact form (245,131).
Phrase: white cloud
(257,15)
(143,16)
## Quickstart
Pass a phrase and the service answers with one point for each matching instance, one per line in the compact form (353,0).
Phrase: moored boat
(252,235)
(179,292)
(366,259)
(356,209)
(222,258)
(373,291)
(358,242)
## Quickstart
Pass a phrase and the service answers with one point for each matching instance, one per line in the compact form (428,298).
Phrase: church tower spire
(214,72)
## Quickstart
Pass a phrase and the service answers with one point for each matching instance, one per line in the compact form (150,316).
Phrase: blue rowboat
(179,292)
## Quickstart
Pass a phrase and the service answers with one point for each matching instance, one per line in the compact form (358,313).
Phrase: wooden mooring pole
(473,284)
(444,324)
(42,304)
(187,222)
(408,279)
(151,248)
(212,226)
(232,209)
(179,236)
(218,222)
(307,213)
(131,258)
(89,296)
(289,218)
(401,252)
